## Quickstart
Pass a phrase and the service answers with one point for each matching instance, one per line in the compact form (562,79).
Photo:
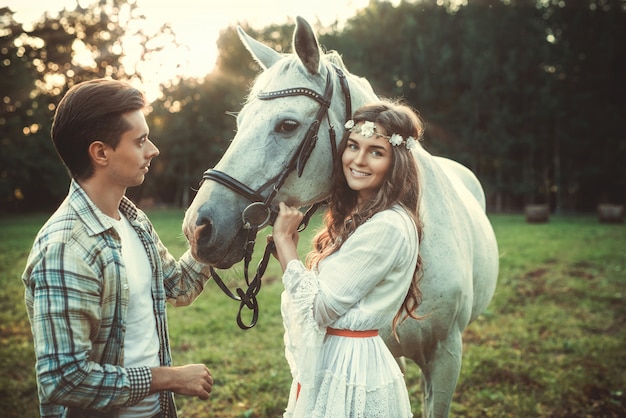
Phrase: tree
(528,94)
(191,126)
(36,68)
(514,90)
(29,167)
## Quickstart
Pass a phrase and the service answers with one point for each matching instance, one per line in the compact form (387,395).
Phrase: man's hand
(189,380)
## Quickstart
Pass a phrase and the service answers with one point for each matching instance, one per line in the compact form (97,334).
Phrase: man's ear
(98,153)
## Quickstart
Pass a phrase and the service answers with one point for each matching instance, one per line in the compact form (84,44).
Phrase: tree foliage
(522,92)
(37,66)
(527,93)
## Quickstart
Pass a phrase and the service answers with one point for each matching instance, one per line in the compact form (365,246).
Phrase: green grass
(551,344)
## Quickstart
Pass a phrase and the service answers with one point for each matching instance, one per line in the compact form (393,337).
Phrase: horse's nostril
(203,232)
(203,220)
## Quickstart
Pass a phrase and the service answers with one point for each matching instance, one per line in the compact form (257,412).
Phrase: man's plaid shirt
(76,294)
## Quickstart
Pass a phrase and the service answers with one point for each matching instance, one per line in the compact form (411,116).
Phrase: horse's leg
(440,375)
(402,364)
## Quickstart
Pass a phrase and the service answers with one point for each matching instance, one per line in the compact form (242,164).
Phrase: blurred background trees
(530,94)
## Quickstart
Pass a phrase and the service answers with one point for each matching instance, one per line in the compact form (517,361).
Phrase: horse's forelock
(334,58)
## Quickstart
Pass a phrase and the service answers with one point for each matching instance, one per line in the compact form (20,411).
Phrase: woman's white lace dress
(360,287)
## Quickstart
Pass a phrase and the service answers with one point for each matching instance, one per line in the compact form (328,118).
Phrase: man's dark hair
(92,111)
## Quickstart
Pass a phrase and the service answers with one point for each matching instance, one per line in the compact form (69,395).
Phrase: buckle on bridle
(257,215)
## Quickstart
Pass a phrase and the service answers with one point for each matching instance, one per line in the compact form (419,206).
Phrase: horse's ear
(263,54)
(306,46)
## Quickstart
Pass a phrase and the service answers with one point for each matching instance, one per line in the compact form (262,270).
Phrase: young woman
(362,273)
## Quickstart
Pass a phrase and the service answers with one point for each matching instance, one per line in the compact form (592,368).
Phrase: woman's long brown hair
(401,186)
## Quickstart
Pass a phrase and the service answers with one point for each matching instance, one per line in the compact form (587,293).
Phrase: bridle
(261,204)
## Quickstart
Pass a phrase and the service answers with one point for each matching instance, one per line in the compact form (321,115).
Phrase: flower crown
(368,129)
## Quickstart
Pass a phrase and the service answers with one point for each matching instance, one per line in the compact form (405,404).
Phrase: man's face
(130,160)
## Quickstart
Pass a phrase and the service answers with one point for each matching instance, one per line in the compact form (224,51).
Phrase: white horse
(266,163)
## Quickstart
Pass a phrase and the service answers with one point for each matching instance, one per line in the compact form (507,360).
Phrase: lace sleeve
(303,336)
(302,287)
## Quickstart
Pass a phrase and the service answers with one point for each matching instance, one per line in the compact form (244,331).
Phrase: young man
(98,276)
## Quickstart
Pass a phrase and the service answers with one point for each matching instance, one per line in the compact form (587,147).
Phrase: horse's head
(284,147)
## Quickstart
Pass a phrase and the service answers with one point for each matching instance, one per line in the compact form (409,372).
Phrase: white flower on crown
(410,143)
(368,129)
(395,140)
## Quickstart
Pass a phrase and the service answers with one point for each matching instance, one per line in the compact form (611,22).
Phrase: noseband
(263,204)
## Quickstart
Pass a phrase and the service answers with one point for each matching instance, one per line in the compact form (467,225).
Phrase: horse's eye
(287,126)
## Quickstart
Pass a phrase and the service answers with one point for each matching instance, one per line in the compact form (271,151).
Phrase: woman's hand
(287,222)
(285,234)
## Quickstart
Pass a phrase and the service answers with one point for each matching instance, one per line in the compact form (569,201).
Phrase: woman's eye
(287,126)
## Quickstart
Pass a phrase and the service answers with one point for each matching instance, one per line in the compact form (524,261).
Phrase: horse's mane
(334,58)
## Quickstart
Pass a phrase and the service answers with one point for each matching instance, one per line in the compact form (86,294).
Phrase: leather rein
(262,203)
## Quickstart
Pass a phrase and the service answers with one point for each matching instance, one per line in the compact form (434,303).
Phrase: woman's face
(366,162)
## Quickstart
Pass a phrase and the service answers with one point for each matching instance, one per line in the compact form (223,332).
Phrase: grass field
(551,344)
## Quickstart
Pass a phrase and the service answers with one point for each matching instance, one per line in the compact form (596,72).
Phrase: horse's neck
(443,189)
(361,91)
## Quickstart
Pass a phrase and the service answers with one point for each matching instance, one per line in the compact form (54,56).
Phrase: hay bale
(610,213)
(537,213)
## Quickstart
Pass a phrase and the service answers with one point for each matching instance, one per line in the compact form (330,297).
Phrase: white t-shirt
(141,342)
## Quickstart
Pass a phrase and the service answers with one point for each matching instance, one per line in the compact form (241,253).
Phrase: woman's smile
(366,161)
(359,173)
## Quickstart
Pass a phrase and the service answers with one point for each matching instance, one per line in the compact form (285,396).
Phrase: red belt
(351,334)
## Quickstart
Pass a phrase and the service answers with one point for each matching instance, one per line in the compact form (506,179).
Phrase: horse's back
(460,257)
(461,234)
(462,176)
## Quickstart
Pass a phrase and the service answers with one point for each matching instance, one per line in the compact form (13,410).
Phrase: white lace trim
(303,336)
(302,287)
(337,399)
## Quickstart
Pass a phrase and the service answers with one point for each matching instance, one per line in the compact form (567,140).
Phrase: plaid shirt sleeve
(183,280)
(65,303)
